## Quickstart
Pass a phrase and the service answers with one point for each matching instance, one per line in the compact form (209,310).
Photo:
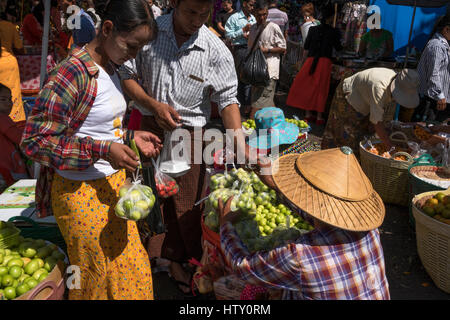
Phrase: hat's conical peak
(335,172)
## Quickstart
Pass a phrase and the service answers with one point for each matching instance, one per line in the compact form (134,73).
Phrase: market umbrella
(415,4)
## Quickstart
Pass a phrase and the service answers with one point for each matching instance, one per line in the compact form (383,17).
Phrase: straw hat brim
(348,215)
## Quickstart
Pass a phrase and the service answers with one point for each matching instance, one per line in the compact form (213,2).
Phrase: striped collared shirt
(434,69)
(60,109)
(323,264)
(234,25)
(187,78)
(279,17)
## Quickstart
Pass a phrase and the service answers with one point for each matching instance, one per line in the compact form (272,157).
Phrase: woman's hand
(121,156)
(225,213)
(148,143)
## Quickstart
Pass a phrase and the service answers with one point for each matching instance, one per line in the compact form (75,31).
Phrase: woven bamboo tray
(389,177)
(433,242)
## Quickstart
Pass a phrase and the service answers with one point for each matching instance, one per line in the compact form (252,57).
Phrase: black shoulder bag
(254,69)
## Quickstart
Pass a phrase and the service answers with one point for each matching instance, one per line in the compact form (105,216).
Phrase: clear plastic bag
(136,201)
(166,186)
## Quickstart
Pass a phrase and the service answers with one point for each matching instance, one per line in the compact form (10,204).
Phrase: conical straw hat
(330,186)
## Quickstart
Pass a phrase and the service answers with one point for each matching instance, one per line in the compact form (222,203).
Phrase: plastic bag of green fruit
(136,201)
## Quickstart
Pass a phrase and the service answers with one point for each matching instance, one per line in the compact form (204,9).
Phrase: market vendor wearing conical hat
(363,101)
(342,258)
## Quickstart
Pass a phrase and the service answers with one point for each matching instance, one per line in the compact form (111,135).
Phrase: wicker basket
(417,185)
(433,243)
(389,177)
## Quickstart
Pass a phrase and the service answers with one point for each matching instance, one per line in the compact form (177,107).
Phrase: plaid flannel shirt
(62,106)
(324,264)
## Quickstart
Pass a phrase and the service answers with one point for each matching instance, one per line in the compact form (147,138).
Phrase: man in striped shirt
(181,72)
(279,17)
(434,73)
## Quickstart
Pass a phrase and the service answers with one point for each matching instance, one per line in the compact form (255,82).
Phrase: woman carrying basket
(75,132)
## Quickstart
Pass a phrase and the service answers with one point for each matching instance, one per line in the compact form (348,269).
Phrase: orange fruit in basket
(428,211)
(432,202)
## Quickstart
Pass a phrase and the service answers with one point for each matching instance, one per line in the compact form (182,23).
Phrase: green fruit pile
(249,124)
(135,203)
(23,266)
(265,222)
(301,124)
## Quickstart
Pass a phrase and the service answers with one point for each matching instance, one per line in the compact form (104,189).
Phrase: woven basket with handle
(389,177)
(433,242)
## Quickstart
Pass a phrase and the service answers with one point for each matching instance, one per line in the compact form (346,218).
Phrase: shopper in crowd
(10,37)
(12,165)
(237,30)
(376,44)
(434,75)
(308,13)
(311,86)
(32,26)
(75,133)
(10,77)
(273,45)
(185,69)
(11,12)
(342,257)
(279,17)
(223,15)
(361,101)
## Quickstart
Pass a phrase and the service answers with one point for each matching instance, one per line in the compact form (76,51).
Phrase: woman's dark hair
(126,15)
(260,4)
(38,12)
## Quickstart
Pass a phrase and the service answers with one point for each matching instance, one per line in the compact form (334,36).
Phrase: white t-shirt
(156,11)
(104,122)
(270,38)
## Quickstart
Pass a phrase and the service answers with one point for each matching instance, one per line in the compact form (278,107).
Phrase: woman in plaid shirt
(342,258)
(75,132)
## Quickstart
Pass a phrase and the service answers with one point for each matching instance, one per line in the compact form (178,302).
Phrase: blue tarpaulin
(397,19)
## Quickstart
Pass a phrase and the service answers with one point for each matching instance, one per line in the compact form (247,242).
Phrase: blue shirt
(234,25)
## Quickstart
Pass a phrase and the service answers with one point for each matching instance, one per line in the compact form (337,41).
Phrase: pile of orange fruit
(380,149)
(438,207)
(421,133)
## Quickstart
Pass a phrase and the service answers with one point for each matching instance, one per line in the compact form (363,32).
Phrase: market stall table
(19,200)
